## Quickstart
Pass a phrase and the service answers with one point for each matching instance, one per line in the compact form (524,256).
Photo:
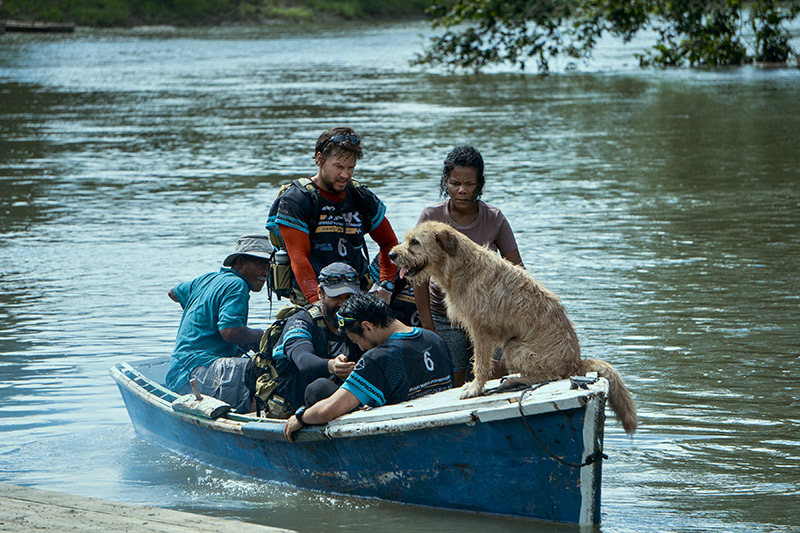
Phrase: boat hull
(475,459)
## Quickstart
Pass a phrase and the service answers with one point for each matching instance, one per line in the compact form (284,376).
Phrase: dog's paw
(471,390)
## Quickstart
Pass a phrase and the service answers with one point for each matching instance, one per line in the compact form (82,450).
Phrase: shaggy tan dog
(502,305)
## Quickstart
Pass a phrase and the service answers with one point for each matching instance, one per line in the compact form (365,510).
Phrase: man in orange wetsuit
(326,221)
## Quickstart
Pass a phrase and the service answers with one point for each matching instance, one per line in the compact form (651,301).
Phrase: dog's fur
(502,305)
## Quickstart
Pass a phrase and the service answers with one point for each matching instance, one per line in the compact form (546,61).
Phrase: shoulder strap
(305,184)
(310,190)
(359,198)
(358,195)
(316,314)
(285,312)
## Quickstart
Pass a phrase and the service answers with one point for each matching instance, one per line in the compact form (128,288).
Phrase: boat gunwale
(482,409)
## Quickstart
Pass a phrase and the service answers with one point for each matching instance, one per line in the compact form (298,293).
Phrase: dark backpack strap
(311,192)
(359,198)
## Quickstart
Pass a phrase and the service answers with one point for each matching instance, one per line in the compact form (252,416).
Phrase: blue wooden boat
(534,453)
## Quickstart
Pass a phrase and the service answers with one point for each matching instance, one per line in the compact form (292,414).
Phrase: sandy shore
(26,509)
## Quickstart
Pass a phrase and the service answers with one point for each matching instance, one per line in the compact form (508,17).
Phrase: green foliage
(347,9)
(100,13)
(363,9)
(496,32)
(690,32)
(85,13)
(194,12)
(185,11)
(700,34)
(767,20)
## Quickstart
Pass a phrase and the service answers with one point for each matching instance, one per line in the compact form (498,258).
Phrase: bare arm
(340,402)
(172,296)
(513,257)
(242,335)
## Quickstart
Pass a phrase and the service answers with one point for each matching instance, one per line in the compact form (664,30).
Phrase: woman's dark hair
(327,148)
(361,307)
(462,156)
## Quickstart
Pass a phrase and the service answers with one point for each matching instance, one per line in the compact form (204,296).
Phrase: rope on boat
(589,460)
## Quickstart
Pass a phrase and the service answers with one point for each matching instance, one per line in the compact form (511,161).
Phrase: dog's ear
(448,242)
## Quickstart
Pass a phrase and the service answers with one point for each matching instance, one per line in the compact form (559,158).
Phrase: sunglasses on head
(333,279)
(339,139)
(344,320)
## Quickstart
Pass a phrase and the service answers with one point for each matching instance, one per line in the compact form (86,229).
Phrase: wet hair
(328,149)
(462,156)
(365,307)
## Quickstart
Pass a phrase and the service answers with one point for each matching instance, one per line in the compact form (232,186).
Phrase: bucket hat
(252,245)
(339,278)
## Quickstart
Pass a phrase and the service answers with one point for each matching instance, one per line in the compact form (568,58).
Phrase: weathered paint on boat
(510,453)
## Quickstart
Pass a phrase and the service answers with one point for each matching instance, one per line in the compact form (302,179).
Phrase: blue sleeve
(234,306)
(365,382)
(182,292)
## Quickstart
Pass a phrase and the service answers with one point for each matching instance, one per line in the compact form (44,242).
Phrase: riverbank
(127,13)
(27,509)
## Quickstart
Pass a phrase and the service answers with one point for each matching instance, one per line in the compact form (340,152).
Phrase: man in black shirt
(400,363)
(311,356)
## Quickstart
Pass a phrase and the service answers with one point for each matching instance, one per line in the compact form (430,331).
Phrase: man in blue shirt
(214,325)
(402,363)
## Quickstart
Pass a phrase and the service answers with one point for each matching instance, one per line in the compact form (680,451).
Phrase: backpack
(279,281)
(266,376)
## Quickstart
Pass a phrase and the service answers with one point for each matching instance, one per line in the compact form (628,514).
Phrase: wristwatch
(387,285)
(299,415)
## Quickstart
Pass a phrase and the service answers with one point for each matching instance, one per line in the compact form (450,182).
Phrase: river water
(662,206)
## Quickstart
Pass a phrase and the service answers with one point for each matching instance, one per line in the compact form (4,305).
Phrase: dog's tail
(618,396)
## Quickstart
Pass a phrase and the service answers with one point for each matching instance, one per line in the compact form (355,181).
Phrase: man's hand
(340,402)
(290,427)
(340,367)
(253,347)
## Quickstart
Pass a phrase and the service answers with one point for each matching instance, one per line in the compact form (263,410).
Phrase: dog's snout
(392,255)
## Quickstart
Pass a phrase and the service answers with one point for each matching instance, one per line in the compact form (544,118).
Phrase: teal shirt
(211,303)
